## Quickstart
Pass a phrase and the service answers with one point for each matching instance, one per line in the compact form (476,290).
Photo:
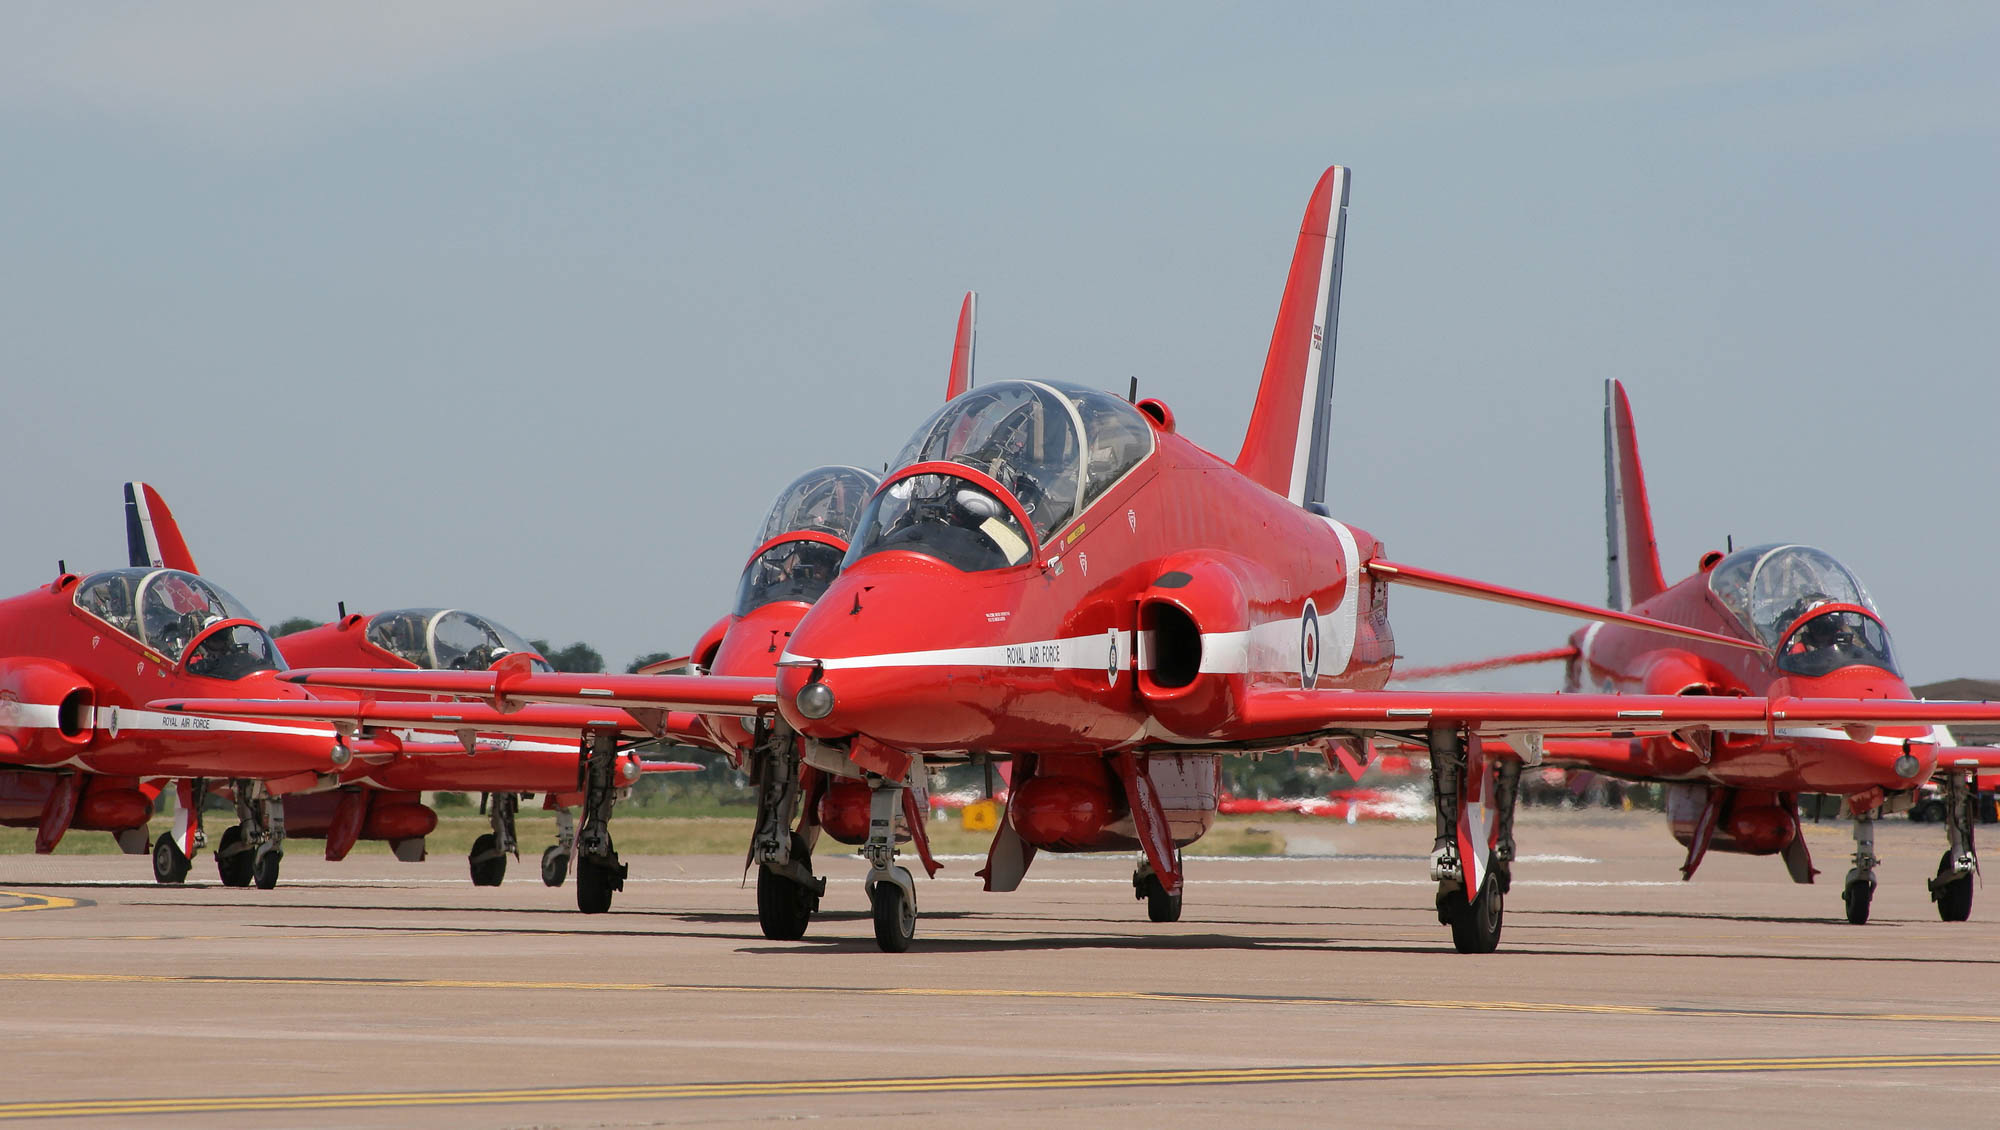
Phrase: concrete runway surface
(1294,991)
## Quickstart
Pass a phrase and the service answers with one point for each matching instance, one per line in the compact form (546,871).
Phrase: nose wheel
(893,899)
(1859,890)
(1160,906)
(599,874)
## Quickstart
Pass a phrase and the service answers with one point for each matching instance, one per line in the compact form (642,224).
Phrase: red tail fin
(1632,559)
(963,347)
(152,537)
(1286,446)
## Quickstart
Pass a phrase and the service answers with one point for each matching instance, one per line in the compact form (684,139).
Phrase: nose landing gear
(599,874)
(1859,890)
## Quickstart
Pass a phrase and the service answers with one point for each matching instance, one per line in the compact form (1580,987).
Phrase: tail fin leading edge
(964,346)
(152,537)
(1632,558)
(1285,447)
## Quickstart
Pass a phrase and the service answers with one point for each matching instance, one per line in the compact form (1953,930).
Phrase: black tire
(895,917)
(169,865)
(596,881)
(555,865)
(233,861)
(1160,906)
(265,868)
(1954,900)
(487,872)
(784,906)
(1476,925)
(1858,895)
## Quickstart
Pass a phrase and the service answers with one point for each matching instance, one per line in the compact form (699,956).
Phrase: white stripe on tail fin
(152,537)
(1285,447)
(964,346)
(1632,560)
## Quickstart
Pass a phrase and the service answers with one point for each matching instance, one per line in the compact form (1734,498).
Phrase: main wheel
(785,907)
(1857,896)
(266,868)
(555,865)
(489,866)
(895,916)
(169,865)
(1475,925)
(233,859)
(1160,906)
(1954,899)
(596,880)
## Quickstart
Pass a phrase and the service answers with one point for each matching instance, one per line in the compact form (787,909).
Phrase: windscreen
(1834,639)
(790,570)
(232,651)
(446,639)
(943,516)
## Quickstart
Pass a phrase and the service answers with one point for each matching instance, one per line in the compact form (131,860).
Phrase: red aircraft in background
(376,794)
(798,550)
(83,655)
(1736,789)
(1055,575)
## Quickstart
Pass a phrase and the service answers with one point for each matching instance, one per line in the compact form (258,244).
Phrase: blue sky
(532,308)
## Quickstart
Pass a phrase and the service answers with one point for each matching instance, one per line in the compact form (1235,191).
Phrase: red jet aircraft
(84,655)
(1055,575)
(1737,789)
(377,794)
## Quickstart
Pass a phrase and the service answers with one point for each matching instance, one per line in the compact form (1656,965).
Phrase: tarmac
(1295,991)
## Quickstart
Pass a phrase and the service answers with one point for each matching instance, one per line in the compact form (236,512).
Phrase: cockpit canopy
(167,610)
(1769,587)
(447,639)
(824,500)
(1056,448)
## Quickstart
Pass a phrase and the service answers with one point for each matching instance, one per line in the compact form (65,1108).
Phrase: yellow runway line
(1196,1077)
(990,993)
(41,902)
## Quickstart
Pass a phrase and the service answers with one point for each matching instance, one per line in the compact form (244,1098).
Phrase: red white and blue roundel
(1308,646)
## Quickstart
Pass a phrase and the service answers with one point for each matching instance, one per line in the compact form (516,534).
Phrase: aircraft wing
(510,688)
(478,718)
(1266,715)
(1981,757)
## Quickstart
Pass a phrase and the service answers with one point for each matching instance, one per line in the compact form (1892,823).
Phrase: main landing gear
(555,857)
(1952,888)
(788,892)
(598,873)
(1859,891)
(1460,784)
(488,858)
(253,847)
(892,892)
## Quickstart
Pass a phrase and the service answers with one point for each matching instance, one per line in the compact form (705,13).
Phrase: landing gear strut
(788,892)
(1952,888)
(892,893)
(488,858)
(1860,889)
(555,857)
(598,872)
(1458,783)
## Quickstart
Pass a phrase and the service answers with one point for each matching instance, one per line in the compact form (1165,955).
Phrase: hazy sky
(531,308)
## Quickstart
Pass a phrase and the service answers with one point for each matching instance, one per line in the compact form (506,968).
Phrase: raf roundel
(1308,646)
